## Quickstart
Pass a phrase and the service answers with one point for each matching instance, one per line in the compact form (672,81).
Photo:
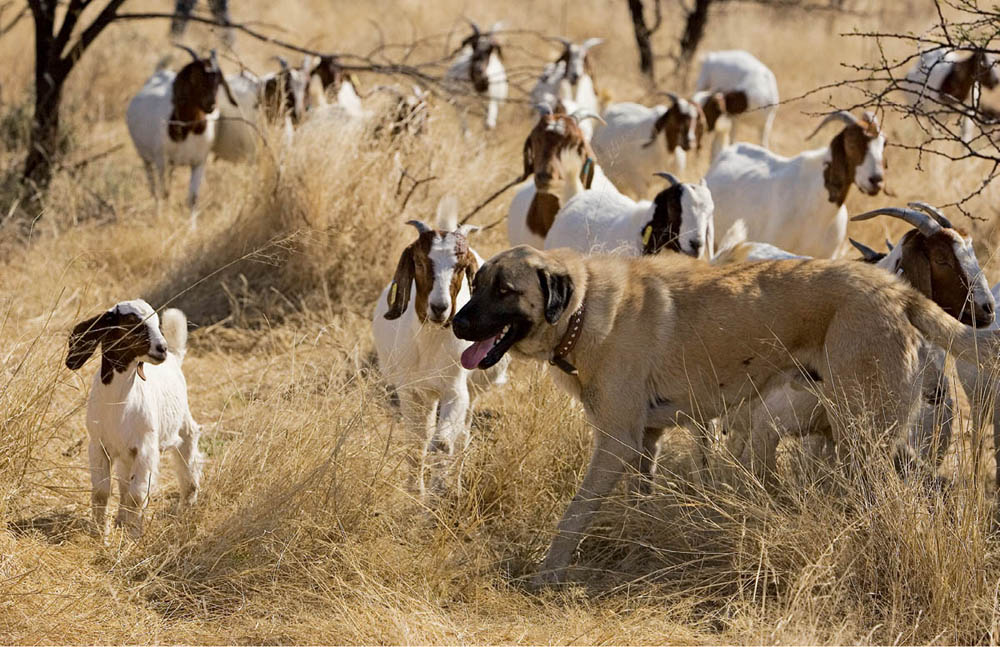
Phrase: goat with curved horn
(673,96)
(869,254)
(581,115)
(669,177)
(475,28)
(842,116)
(924,223)
(933,212)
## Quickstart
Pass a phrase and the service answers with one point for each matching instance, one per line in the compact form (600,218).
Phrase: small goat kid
(172,122)
(628,146)
(417,351)
(138,406)
(679,219)
(797,203)
(557,156)
(480,63)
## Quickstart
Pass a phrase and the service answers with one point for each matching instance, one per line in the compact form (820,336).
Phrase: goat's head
(575,59)
(128,332)
(482,45)
(437,262)
(857,153)
(682,220)
(681,124)
(718,106)
(938,259)
(556,147)
(978,68)
(287,91)
(330,73)
(196,87)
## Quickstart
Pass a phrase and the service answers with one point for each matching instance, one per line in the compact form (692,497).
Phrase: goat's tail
(728,249)
(447,213)
(173,323)
(964,342)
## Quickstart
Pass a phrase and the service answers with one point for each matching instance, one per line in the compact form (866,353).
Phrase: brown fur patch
(847,150)
(542,213)
(194,90)
(553,134)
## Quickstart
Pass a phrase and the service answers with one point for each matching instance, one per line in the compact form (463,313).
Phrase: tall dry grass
(305,531)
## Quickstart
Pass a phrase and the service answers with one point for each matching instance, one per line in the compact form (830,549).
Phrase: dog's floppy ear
(557,290)
(84,339)
(399,291)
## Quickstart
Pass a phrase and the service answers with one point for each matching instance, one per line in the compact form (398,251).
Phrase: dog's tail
(174,325)
(942,330)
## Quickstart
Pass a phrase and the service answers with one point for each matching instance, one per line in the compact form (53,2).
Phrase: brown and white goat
(561,164)
(480,64)
(417,352)
(948,80)
(570,77)
(172,122)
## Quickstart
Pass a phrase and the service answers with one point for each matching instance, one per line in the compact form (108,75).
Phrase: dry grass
(305,532)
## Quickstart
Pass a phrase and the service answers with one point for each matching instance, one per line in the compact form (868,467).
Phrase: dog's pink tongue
(475,353)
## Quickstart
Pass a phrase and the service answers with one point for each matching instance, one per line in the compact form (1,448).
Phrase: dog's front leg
(617,447)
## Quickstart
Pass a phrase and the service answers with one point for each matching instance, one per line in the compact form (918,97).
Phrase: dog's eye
(505,289)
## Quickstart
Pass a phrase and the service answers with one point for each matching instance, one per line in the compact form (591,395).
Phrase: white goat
(747,88)
(679,218)
(280,95)
(570,78)
(480,63)
(628,148)
(417,351)
(138,406)
(172,122)
(557,158)
(797,203)
(947,79)
(337,94)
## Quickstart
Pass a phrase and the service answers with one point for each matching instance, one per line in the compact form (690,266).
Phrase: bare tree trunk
(642,34)
(694,29)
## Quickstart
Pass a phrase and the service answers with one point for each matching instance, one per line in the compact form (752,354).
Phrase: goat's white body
(496,90)
(924,81)
(518,232)
(147,119)
(422,360)
(782,200)
(621,150)
(131,421)
(740,71)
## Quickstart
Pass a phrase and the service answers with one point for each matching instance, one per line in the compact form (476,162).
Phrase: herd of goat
(588,171)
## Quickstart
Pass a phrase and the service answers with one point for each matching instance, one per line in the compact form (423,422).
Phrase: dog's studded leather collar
(568,342)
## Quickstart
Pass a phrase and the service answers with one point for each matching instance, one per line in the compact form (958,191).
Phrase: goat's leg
(642,483)
(452,437)
(141,482)
(492,111)
(188,461)
(197,175)
(100,482)
(419,414)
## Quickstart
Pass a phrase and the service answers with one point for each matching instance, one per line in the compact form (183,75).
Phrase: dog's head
(518,294)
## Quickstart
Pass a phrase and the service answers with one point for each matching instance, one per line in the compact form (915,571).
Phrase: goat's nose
(160,348)
(438,310)
(987,309)
(543,176)
(695,246)
(876,179)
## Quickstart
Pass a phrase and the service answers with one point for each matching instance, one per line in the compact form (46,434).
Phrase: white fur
(621,148)
(784,200)
(147,116)
(925,78)
(422,360)
(596,222)
(496,91)
(517,216)
(739,71)
(131,421)
(554,85)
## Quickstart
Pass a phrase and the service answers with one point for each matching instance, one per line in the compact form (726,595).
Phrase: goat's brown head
(552,142)
(482,46)
(128,332)
(195,89)
(286,92)
(681,125)
(717,105)
(978,68)
(939,260)
(576,60)
(441,265)
(330,73)
(857,153)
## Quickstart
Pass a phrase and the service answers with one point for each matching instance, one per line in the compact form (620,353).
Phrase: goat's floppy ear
(470,270)
(529,159)
(399,291)
(836,175)
(84,339)
(557,290)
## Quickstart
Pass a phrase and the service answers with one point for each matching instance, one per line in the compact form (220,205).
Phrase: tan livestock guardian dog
(655,341)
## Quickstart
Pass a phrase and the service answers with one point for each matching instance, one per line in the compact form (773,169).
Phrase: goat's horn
(420,227)
(475,27)
(888,243)
(866,251)
(190,51)
(924,223)
(590,42)
(673,96)
(566,42)
(669,177)
(840,115)
(282,62)
(933,212)
(580,115)
(543,109)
